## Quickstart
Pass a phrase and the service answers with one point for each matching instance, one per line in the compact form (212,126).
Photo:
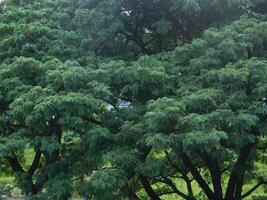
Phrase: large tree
(185,124)
(54,111)
(195,115)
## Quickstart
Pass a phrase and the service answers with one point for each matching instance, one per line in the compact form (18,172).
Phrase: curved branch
(170,183)
(35,162)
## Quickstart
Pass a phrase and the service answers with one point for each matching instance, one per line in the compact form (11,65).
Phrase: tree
(188,123)
(198,119)
(49,108)
(152,26)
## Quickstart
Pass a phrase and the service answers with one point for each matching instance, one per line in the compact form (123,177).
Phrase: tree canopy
(130,99)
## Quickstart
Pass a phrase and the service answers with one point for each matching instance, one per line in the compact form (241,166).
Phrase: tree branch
(215,172)
(188,185)
(170,183)
(183,176)
(112,104)
(198,177)
(253,189)
(35,162)
(149,190)
(237,171)
(14,163)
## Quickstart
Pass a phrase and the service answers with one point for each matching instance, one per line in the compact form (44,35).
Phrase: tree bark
(148,188)
(215,172)
(35,162)
(253,189)
(200,180)
(17,168)
(235,183)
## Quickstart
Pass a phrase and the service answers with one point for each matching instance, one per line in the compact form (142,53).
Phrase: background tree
(129,27)
(153,26)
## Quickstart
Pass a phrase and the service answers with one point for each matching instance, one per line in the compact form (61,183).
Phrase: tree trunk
(149,190)
(235,183)
(199,179)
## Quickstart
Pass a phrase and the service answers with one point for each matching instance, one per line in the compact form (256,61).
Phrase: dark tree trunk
(149,190)
(236,180)
(215,172)
(200,180)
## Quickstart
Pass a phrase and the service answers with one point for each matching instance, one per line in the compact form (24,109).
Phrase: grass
(260,191)
(197,191)
(5,180)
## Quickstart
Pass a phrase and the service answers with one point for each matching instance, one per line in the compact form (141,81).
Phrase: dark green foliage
(209,112)
(42,114)
(190,123)
(126,28)
(151,26)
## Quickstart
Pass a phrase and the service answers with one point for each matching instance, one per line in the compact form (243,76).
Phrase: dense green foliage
(90,95)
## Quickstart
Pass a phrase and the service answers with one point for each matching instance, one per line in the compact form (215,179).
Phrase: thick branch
(215,172)
(135,37)
(188,185)
(184,176)
(253,189)
(238,171)
(170,183)
(149,190)
(35,162)
(239,186)
(52,157)
(200,180)
(14,163)
(16,167)
(112,104)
